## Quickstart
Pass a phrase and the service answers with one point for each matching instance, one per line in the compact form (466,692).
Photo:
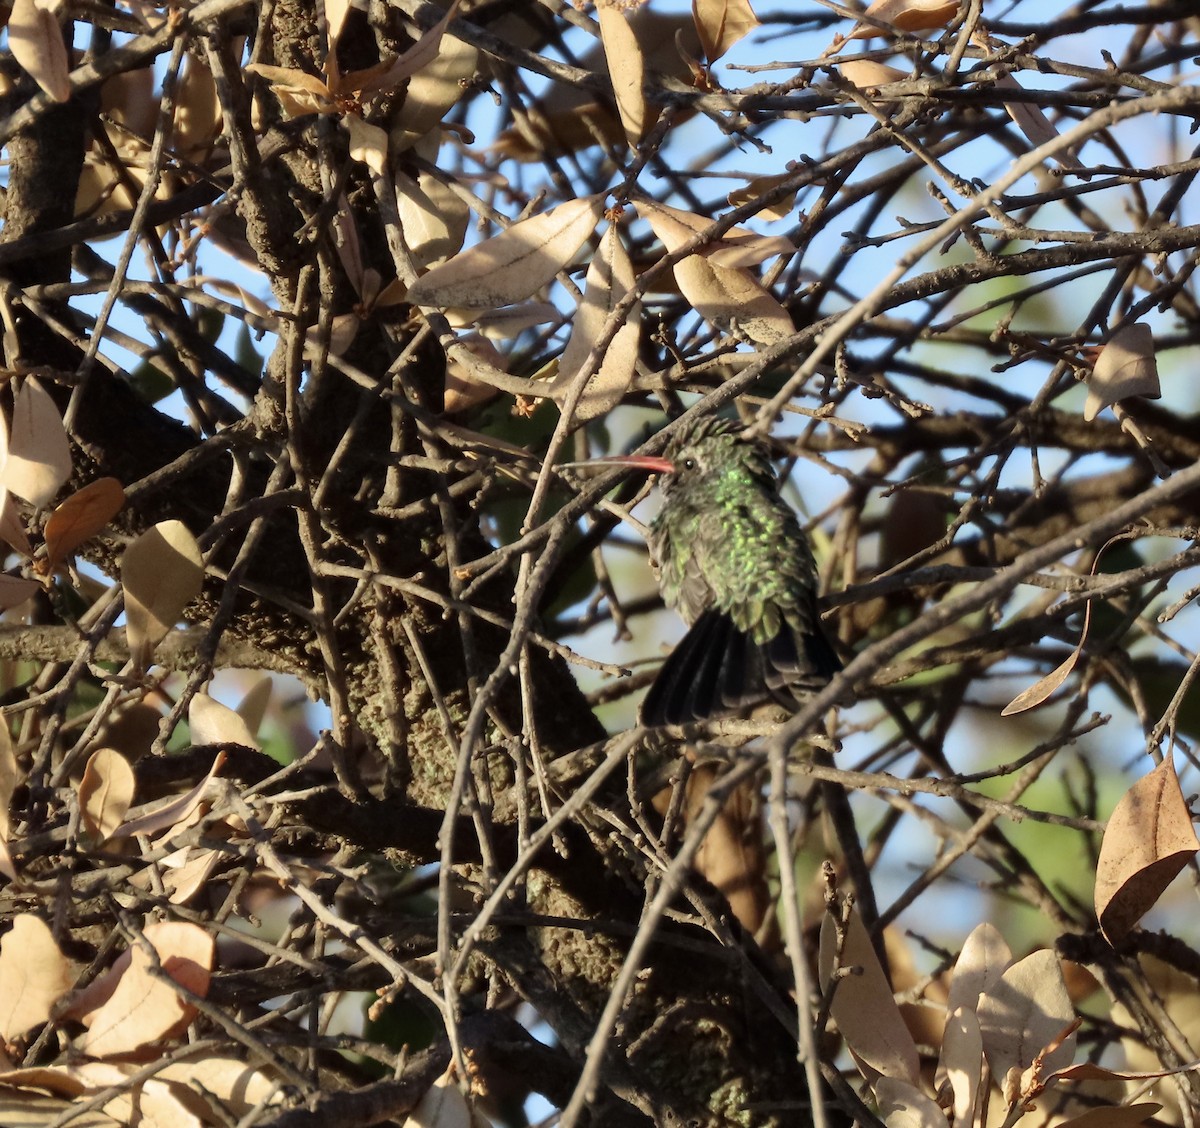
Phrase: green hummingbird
(731,557)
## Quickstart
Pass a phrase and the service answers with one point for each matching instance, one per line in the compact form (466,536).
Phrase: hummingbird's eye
(689,464)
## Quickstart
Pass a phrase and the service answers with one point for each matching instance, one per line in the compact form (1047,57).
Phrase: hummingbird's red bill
(649,462)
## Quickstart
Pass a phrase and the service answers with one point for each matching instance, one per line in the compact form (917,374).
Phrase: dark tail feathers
(718,669)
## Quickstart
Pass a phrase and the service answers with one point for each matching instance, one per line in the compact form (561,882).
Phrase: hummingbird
(730,556)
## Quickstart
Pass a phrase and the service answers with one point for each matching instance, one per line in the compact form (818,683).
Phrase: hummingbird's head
(713,448)
(710,450)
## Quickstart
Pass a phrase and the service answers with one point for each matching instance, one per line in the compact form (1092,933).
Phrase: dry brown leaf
(81,517)
(11,777)
(1148,840)
(14,591)
(1033,123)
(1126,367)
(253,707)
(105,792)
(368,143)
(299,93)
(979,967)
(162,571)
(39,455)
(144,1007)
(737,247)
(336,12)
(34,975)
(421,56)
(12,528)
(198,120)
(609,280)
(903,1105)
(187,871)
(961,1061)
(733,301)
(33,1110)
(863,1005)
(758,187)
(155,1104)
(626,68)
(35,38)
(1043,687)
(867,73)
(433,218)
(213,723)
(444,1106)
(435,89)
(239,1087)
(513,265)
(1023,1014)
(507,323)
(462,389)
(173,811)
(1125,1116)
(907,15)
(721,23)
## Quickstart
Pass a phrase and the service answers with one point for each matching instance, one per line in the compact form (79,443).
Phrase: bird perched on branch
(731,557)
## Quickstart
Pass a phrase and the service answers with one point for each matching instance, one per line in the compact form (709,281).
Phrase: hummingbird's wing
(718,669)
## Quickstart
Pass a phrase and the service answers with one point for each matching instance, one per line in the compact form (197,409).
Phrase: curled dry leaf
(903,1105)
(626,67)
(1126,367)
(299,92)
(173,811)
(1032,122)
(863,1005)
(143,1005)
(1043,687)
(162,571)
(81,517)
(368,143)
(867,73)
(758,187)
(1023,1014)
(213,723)
(609,281)
(721,23)
(433,218)
(513,265)
(907,15)
(34,975)
(39,455)
(105,792)
(1148,840)
(35,39)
